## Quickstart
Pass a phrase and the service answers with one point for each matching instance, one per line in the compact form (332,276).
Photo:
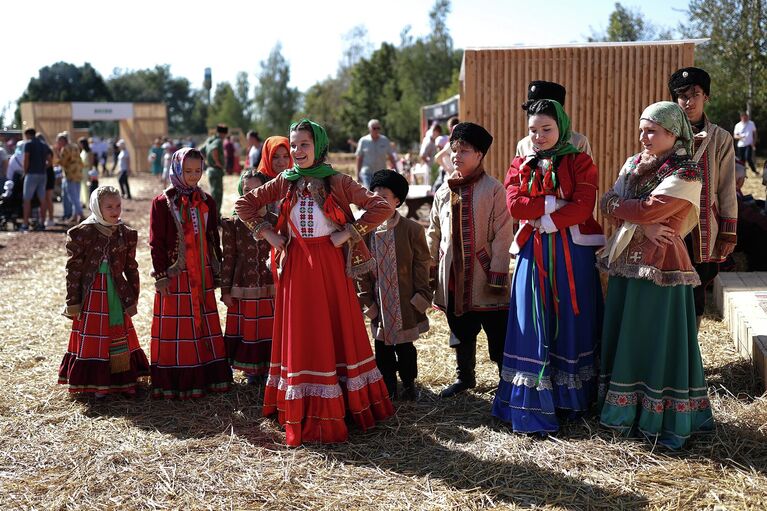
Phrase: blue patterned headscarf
(177,170)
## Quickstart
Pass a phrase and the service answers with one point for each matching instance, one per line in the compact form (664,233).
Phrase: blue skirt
(549,368)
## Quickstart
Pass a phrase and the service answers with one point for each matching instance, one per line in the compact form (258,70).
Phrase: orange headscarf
(267,151)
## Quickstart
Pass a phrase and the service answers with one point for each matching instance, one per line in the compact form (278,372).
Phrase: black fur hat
(392,180)
(541,89)
(473,134)
(687,77)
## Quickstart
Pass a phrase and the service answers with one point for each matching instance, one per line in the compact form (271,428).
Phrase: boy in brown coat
(396,295)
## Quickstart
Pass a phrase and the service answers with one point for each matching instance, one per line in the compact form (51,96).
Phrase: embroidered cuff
(727,237)
(498,279)
(162,283)
(257,228)
(372,311)
(609,203)
(420,303)
(728,226)
(354,233)
(357,231)
(159,275)
(550,204)
(71,311)
(547,224)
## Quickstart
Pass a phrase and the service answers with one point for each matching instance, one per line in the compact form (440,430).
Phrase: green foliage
(275,101)
(66,82)
(370,91)
(157,85)
(627,24)
(322,102)
(395,82)
(735,57)
(226,108)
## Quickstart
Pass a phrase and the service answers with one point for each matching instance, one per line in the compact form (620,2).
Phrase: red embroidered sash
(196,242)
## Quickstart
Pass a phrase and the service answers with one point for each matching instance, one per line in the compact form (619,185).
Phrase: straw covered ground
(219,453)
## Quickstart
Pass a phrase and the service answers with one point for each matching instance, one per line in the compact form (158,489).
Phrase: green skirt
(651,378)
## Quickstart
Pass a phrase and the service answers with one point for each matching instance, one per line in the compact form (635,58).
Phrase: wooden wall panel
(608,86)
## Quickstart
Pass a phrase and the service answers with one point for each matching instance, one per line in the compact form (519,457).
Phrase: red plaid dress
(86,365)
(187,349)
(249,325)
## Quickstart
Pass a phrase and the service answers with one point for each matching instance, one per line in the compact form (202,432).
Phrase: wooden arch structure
(140,123)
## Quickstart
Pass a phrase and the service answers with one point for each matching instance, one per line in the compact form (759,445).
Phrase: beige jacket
(715,156)
(486,237)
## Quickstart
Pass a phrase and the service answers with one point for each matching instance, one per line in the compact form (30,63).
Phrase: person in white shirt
(254,151)
(745,134)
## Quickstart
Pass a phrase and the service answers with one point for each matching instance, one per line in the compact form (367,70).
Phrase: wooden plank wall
(150,120)
(50,119)
(608,86)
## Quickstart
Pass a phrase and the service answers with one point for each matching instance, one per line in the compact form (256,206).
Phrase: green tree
(275,101)
(242,93)
(395,82)
(735,56)
(627,24)
(372,90)
(157,85)
(66,82)
(226,108)
(322,103)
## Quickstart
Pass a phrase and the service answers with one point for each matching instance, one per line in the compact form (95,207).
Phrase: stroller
(11,203)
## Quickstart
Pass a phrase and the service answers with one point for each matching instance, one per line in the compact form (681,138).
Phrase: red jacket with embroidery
(577,177)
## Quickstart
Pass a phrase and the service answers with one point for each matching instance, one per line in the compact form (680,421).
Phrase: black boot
(408,391)
(456,388)
(465,355)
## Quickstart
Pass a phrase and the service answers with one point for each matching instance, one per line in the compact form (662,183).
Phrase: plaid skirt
(89,363)
(248,336)
(187,362)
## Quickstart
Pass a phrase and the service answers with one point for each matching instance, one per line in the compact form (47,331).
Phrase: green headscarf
(563,145)
(246,174)
(321,170)
(672,117)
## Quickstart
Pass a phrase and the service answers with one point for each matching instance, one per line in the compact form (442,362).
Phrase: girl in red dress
(187,350)
(104,355)
(322,367)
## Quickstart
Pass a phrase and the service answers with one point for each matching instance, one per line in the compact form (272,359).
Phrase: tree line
(393,81)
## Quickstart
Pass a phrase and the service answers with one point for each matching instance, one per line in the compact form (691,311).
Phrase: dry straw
(57,452)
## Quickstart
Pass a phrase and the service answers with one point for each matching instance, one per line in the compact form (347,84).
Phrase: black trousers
(124,187)
(465,328)
(747,155)
(707,273)
(394,358)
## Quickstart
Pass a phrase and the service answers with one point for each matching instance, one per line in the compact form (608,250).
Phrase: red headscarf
(267,152)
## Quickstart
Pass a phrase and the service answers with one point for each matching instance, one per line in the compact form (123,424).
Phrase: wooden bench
(741,299)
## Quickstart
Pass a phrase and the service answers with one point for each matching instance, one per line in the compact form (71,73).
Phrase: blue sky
(236,36)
